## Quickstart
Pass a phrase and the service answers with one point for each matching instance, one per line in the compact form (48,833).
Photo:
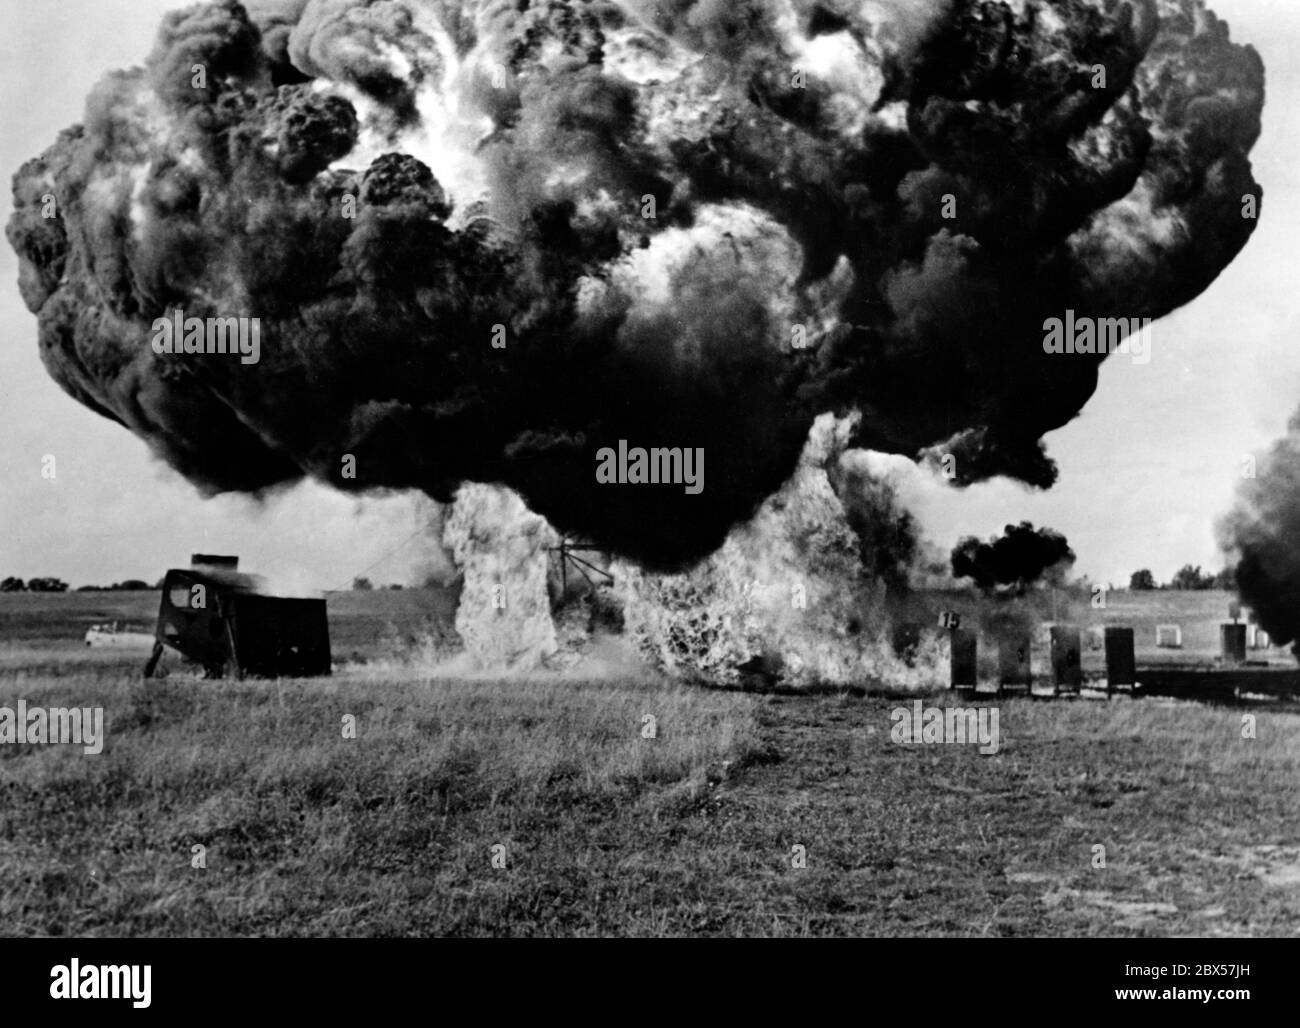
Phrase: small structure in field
(1121,663)
(1067,659)
(1015,646)
(1169,637)
(1233,642)
(229,623)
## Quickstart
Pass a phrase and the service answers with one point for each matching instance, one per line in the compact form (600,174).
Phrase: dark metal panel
(964,652)
(1121,666)
(1067,658)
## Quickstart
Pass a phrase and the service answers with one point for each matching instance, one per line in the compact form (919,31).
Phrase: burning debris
(485,241)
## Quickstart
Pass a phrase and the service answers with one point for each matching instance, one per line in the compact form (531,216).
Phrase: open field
(605,831)
(361,623)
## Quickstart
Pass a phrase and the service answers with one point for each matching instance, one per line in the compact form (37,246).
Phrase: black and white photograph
(651,468)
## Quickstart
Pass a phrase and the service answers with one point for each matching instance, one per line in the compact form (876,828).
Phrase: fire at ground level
(1154,643)
(1170,645)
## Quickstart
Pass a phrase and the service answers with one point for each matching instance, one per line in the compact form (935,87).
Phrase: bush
(1142,581)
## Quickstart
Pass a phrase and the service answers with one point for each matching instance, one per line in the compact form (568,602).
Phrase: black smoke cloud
(1262,534)
(500,155)
(1017,559)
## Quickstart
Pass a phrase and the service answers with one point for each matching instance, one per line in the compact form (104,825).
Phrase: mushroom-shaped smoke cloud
(485,240)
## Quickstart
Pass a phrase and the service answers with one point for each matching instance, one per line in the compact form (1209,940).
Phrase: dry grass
(307,832)
(609,833)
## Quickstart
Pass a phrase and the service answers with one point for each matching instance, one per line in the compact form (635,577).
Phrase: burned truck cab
(230,624)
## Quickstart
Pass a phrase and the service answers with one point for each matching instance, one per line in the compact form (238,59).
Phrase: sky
(1146,469)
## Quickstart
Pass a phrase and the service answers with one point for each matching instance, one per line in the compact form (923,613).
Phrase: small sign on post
(1234,611)
(950,620)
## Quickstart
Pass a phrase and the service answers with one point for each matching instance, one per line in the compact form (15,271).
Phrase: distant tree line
(33,585)
(364,585)
(130,585)
(57,585)
(1188,577)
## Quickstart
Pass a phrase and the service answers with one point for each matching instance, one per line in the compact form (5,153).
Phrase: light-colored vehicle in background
(111,634)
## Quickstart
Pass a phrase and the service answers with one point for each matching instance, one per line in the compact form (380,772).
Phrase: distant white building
(1169,637)
(1257,638)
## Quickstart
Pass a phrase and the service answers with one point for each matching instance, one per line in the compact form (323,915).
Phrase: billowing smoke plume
(1262,533)
(487,239)
(1013,561)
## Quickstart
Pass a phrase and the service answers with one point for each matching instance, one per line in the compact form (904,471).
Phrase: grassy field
(606,831)
(363,625)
